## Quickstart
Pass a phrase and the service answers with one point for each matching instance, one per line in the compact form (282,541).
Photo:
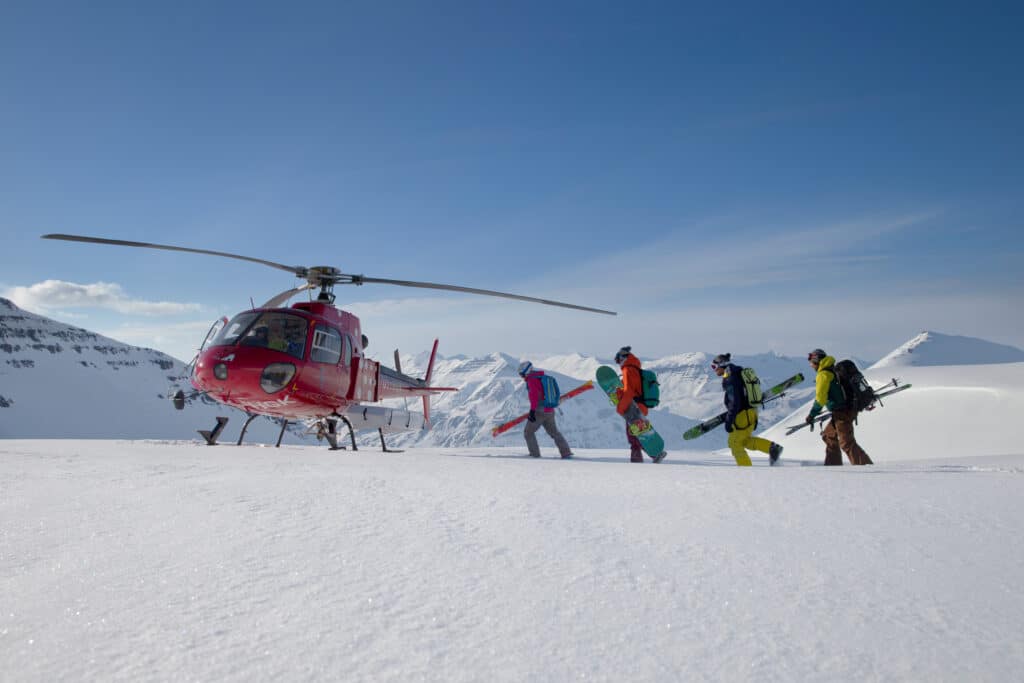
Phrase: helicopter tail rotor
(426,380)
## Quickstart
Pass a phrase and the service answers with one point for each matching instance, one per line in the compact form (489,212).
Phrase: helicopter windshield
(230,333)
(278,331)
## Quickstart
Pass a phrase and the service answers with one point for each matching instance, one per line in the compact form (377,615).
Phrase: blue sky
(729,179)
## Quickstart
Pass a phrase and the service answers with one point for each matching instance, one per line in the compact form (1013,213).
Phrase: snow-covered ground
(949,411)
(160,560)
(174,561)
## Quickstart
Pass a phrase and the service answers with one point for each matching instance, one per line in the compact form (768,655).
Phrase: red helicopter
(307,362)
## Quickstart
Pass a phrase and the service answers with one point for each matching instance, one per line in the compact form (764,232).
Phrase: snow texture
(160,560)
(165,559)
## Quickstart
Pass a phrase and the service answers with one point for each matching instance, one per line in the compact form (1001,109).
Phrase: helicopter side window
(326,345)
(230,333)
(279,332)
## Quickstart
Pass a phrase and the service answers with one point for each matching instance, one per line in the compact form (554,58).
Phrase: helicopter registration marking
(267,405)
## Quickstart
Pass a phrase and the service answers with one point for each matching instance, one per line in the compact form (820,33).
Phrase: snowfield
(133,561)
(465,560)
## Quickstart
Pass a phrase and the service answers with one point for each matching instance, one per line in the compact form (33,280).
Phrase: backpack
(752,387)
(651,392)
(552,394)
(858,393)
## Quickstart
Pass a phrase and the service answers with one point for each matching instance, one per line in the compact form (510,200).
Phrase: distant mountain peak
(931,348)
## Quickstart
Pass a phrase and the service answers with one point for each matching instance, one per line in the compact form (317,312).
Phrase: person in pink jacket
(540,416)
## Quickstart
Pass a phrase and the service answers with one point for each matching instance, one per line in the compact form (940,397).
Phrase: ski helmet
(622,353)
(721,360)
(524,368)
(816,355)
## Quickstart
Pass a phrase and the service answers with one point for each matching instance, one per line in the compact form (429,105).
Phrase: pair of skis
(502,428)
(777,391)
(894,387)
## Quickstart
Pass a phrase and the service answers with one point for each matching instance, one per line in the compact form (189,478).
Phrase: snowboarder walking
(632,390)
(741,417)
(838,435)
(541,414)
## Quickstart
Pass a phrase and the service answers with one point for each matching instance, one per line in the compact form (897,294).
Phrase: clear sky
(740,178)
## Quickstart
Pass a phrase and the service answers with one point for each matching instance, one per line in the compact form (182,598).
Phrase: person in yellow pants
(741,418)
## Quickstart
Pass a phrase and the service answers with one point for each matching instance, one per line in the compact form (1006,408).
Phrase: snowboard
(502,428)
(638,425)
(775,392)
(896,387)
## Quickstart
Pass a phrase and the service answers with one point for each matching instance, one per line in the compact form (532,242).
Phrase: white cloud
(53,295)
(180,340)
(750,254)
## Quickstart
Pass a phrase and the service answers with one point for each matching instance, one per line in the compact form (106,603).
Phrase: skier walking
(541,415)
(741,417)
(838,435)
(632,390)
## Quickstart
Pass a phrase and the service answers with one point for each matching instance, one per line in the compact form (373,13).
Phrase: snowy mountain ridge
(933,348)
(61,381)
(490,393)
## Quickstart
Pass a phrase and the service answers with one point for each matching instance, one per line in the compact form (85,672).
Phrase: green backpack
(649,385)
(752,387)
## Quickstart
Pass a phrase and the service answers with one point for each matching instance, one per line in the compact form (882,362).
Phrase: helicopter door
(325,355)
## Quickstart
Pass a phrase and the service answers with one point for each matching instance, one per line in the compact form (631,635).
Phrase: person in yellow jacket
(838,435)
(741,416)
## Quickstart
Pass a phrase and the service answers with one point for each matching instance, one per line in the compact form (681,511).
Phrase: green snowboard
(639,426)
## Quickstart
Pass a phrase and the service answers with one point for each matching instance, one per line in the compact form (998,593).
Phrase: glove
(728,425)
(533,416)
(809,419)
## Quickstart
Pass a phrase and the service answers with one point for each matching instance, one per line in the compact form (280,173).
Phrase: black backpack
(858,393)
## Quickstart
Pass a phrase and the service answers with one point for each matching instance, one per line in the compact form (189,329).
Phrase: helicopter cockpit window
(278,331)
(230,333)
(326,345)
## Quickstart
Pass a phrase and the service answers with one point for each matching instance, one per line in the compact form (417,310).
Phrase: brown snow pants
(838,435)
(636,453)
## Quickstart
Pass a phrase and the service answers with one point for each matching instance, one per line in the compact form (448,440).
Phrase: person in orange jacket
(632,389)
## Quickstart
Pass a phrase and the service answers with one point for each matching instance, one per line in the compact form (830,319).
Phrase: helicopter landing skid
(244,427)
(328,429)
(212,436)
(384,446)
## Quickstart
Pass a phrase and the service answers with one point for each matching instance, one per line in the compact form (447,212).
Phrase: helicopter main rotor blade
(296,270)
(361,279)
(283,297)
(323,276)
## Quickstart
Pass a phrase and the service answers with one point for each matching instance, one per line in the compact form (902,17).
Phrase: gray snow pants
(547,420)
